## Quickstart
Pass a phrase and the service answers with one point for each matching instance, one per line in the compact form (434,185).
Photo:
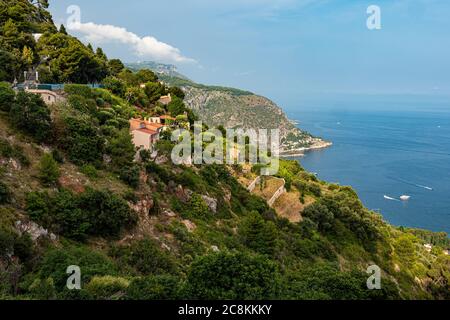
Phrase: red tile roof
(148,131)
(154,125)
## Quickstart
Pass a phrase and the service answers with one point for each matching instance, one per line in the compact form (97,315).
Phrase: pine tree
(100,54)
(48,170)
(62,29)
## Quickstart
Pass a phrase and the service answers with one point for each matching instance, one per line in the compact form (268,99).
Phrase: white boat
(405,198)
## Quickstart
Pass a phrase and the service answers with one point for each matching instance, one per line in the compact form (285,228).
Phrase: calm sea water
(385,146)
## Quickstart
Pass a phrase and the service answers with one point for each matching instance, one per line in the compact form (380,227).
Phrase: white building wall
(141,139)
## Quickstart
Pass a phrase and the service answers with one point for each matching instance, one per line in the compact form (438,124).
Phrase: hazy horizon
(282,49)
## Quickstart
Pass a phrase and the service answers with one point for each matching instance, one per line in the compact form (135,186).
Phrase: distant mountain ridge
(235,108)
(160,68)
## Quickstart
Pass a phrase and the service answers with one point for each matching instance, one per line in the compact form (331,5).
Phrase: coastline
(300,152)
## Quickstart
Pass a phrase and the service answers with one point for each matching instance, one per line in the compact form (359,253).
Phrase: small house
(146,132)
(49,97)
(144,138)
(165,100)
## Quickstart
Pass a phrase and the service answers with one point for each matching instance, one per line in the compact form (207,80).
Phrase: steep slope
(234,108)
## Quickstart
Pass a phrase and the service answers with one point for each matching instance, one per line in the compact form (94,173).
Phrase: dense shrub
(188,178)
(82,141)
(13,151)
(4,193)
(130,175)
(146,257)
(160,171)
(7,96)
(319,214)
(107,287)
(154,90)
(115,85)
(160,287)
(348,209)
(315,189)
(105,116)
(324,281)
(96,213)
(405,250)
(43,289)
(178,92)
(197,207)
(232,276)
(176,107)
(145,155)
(30,114)
(48,170)
(82,104)
(79,90)
(312,249)
(8,65)
(7,237)
(90,171)
(258,234)
(58,156)
(252,202)
(121,149)
(92,263)
(108,212)
(115,66)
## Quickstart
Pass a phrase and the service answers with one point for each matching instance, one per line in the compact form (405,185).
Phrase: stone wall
(277,194)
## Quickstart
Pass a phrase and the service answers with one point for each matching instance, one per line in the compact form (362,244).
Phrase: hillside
(235,108)
(148,229)
(75,191)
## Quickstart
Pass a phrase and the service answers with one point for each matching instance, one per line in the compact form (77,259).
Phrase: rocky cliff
(234,108)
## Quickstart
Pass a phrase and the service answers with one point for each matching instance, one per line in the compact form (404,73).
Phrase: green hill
(235,108)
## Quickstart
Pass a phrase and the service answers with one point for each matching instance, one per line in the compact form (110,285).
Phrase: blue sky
(283,49)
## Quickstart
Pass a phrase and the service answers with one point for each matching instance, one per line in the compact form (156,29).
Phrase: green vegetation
(7,96)
(149,229)
(48,170)
(159,287)
(30,114)
(230,107)
(93,212)
(232,276)
(5,193)
(258,234)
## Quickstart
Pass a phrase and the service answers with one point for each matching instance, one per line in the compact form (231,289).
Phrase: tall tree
(32,115)
(62,29)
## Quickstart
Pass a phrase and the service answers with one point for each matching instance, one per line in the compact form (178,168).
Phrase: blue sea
(385,146)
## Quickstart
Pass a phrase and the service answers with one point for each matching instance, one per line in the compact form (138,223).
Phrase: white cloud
(147,47)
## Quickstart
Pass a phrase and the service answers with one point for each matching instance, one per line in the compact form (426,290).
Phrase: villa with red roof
(146,132)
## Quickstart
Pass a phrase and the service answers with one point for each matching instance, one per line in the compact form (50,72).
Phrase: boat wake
(412,184)
(424,187)
(390,198)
